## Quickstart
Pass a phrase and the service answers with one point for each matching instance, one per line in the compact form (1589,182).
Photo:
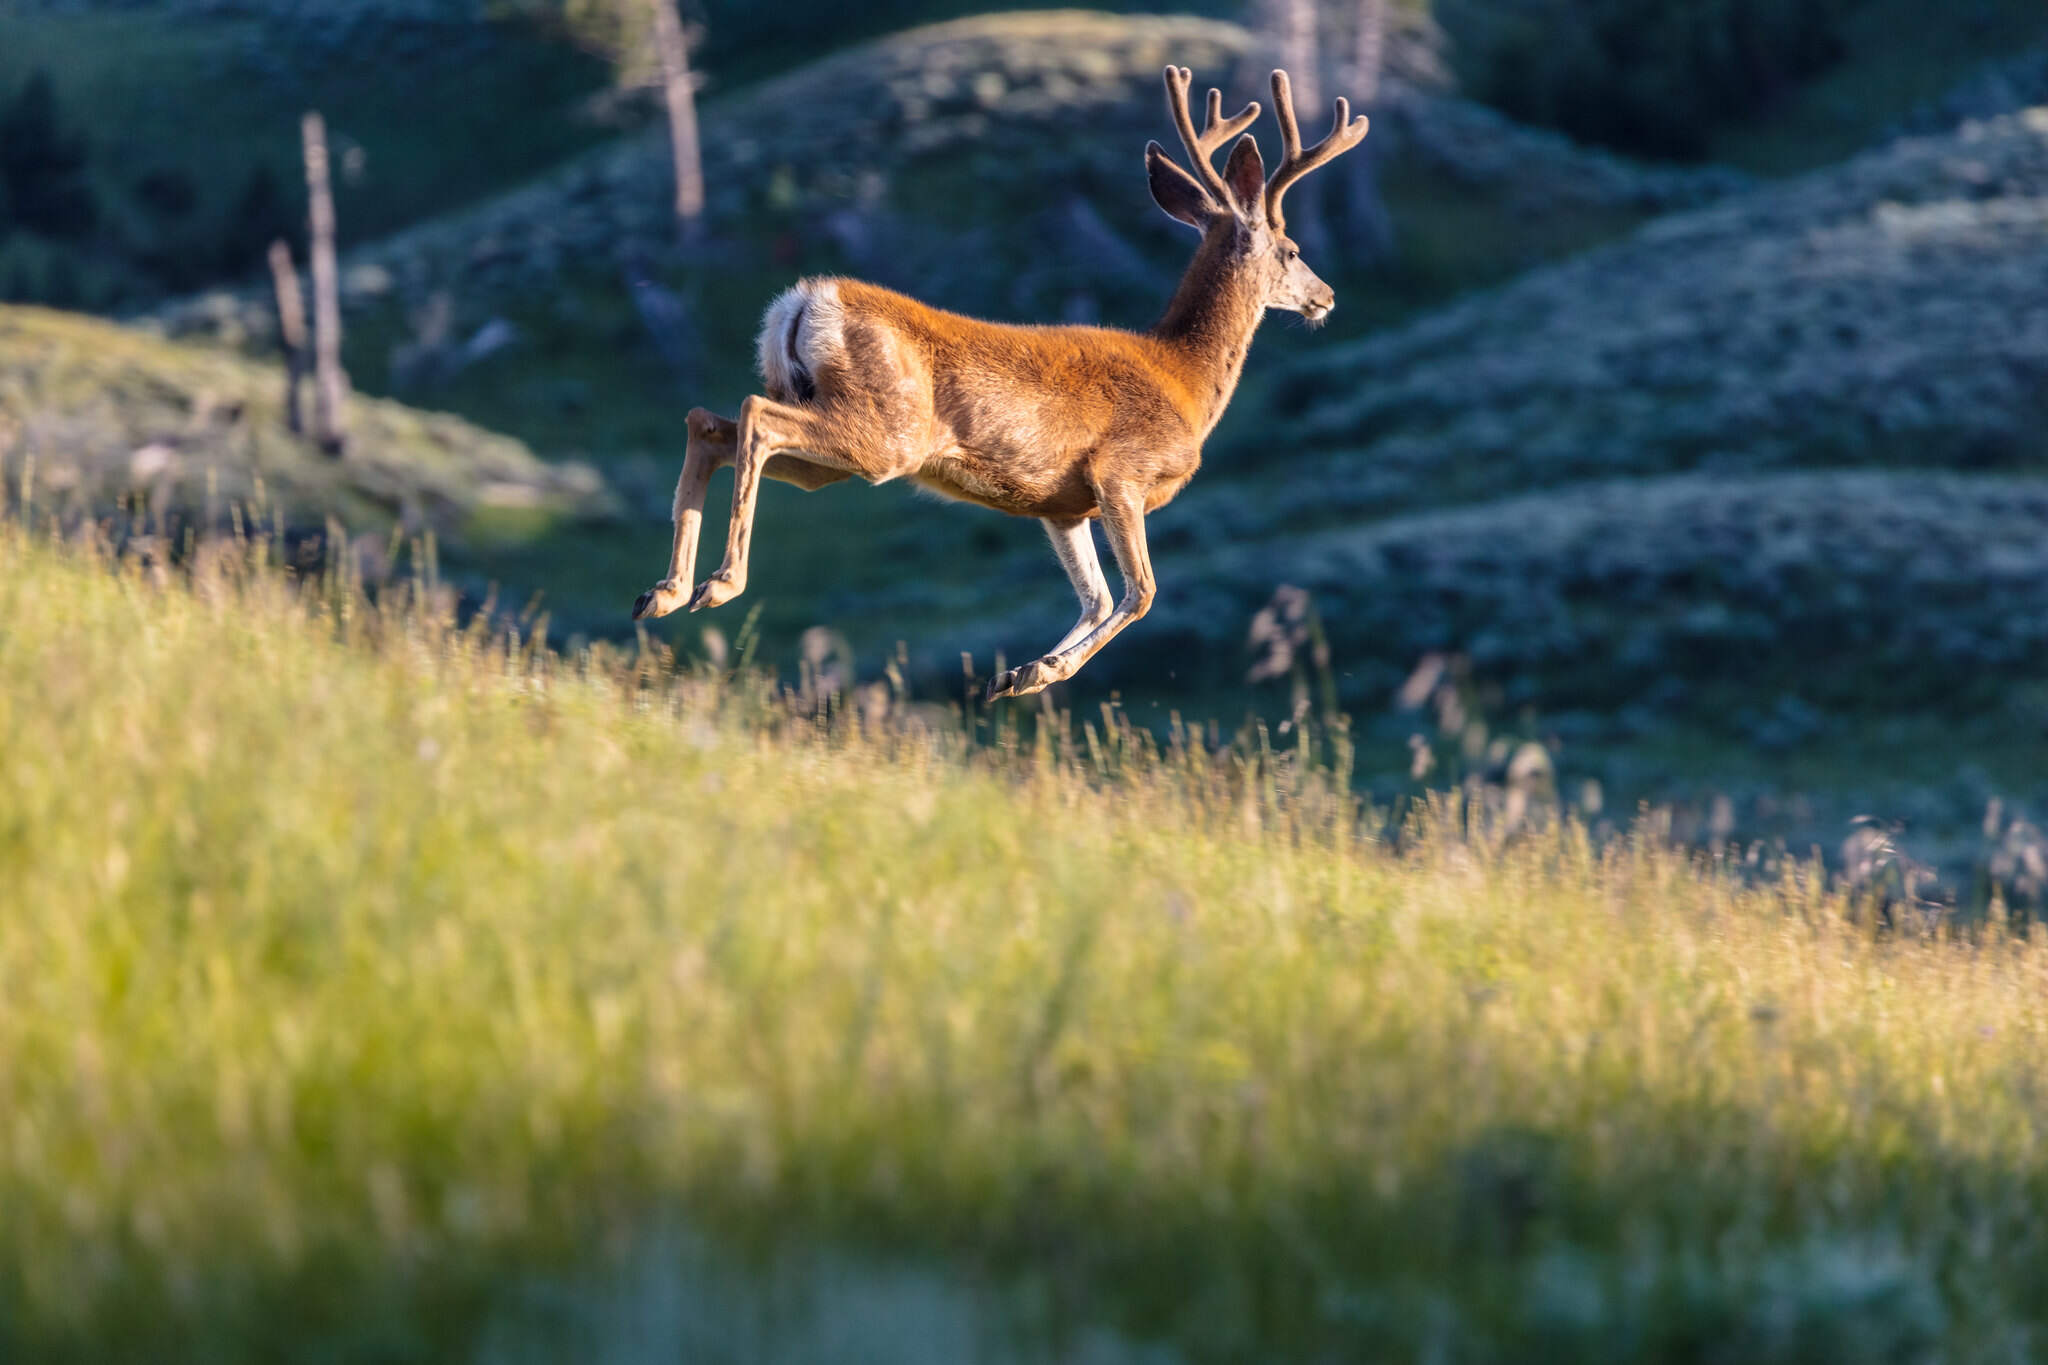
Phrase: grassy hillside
(379,990)
(94,416)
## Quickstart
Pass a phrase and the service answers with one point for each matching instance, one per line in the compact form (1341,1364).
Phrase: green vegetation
(187,126)
(42,187)
(1899,56)
(1652,77)
(378,987)
(93,415)
(972,140)
(381,989)
(1773,86)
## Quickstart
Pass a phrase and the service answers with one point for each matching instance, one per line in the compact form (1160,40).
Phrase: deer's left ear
(1174,190)
(1245,173)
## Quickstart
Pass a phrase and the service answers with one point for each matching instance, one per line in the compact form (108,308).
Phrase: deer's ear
(1174,190)
(1245,173)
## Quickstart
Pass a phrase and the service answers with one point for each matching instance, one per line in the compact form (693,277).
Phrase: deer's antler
(1346,132)
(1215,133)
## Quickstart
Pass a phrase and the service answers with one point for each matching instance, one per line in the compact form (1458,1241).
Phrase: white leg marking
(1074,543)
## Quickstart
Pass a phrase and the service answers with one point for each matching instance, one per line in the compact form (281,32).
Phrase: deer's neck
(1209,325)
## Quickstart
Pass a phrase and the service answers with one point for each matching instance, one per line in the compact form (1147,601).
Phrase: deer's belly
(1020,492)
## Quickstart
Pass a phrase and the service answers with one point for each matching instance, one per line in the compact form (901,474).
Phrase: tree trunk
(1369,53)
(1372,228)
(330,382)
(680,91)
(291,330)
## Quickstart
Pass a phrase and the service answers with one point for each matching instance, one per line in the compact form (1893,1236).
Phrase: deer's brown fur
(1066,424)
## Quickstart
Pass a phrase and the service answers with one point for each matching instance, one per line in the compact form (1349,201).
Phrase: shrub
(261,215)
(43,166)
(1651,77)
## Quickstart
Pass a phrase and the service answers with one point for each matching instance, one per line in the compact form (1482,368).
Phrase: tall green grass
(368,985)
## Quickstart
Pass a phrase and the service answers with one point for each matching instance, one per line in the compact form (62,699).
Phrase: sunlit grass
(358,975)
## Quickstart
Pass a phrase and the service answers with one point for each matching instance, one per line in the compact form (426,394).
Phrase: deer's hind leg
(713,444)
(772,434)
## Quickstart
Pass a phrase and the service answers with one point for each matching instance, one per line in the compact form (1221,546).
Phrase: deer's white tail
(803,331)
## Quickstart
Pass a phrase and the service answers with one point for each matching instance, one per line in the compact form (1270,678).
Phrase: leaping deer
(1064,424)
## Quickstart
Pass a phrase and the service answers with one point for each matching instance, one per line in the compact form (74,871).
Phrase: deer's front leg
(1074,543)
(713,443)
(1123,521)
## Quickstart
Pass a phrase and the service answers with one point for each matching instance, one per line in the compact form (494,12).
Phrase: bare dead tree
(291,329)
(330,381)
(1370,222)
(680,92)
(1369,47)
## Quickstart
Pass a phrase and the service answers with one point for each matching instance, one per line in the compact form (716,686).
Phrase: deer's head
(1238,211)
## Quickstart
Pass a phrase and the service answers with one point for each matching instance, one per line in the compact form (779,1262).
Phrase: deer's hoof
(1022,680)
(715,592)
(659,600)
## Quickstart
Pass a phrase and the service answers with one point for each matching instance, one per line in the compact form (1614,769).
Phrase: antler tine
(1216,129)
(1345,133)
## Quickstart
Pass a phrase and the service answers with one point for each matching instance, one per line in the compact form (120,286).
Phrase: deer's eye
(1291,254)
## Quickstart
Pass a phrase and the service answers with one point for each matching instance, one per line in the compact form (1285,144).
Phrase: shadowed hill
(1631,590)
(1893,310)
(1889,313)
(1033,106)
